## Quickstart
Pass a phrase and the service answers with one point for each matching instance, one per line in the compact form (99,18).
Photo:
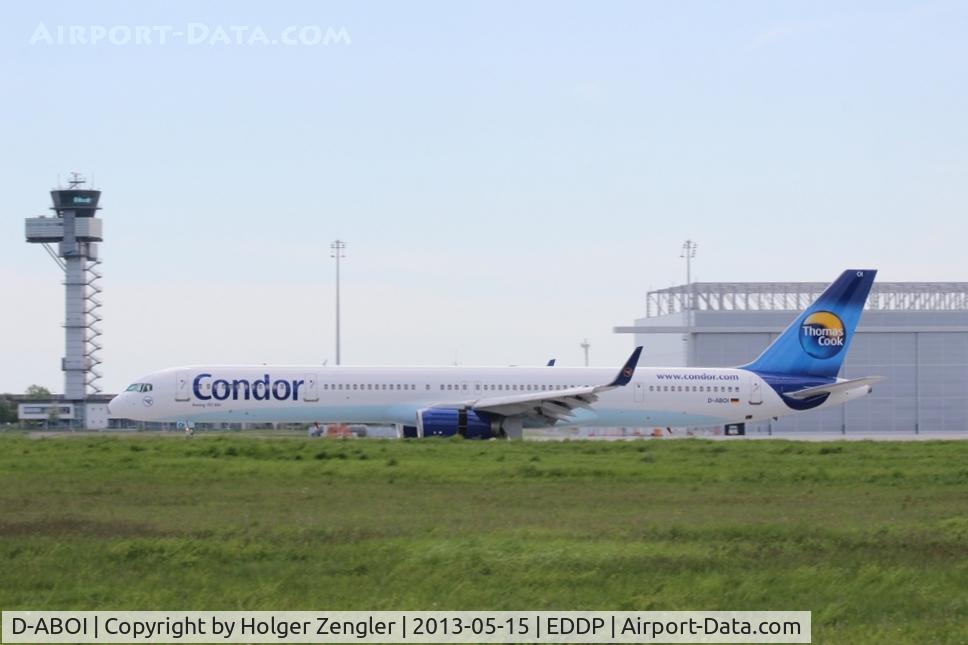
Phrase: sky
(509,177)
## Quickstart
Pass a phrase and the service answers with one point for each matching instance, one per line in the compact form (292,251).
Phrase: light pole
(585,346)
(689,252)
(337,248)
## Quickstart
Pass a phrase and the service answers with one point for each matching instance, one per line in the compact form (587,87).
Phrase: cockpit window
(139,387)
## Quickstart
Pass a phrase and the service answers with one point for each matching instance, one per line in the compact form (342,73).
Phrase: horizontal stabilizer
(833,388)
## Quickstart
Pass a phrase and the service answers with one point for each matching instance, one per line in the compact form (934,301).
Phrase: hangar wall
(920,344)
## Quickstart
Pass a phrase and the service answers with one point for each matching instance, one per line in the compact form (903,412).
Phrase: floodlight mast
(689,252)
(337,248)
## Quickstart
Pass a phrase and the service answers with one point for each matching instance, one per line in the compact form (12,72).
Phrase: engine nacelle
(469,424)
(408,432)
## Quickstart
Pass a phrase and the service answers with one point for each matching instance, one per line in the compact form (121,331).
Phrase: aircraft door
(182,390)
(756,394)
(639,392)
(310,388)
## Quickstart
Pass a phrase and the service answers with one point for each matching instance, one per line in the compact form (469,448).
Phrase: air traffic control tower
(76,231)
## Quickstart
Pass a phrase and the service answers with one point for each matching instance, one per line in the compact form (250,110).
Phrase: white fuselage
(656,397)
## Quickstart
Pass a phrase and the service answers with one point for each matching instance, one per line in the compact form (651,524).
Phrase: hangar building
(913,333)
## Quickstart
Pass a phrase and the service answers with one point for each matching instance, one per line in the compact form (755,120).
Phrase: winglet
(625,374)
(551,363)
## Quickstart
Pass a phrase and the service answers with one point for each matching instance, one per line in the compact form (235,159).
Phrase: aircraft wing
(553,405)
(832,388)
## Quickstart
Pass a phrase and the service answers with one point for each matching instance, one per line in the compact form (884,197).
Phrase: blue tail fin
(816,343)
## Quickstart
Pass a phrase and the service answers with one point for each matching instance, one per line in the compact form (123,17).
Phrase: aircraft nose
(113,404)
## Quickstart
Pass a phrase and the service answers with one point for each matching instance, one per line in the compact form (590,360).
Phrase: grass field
(872,537)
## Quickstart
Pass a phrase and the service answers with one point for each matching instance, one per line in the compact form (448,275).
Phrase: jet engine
(446,422)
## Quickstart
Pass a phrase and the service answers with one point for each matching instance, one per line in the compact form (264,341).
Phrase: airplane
(796,373)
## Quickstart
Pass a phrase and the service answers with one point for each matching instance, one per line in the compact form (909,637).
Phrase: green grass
(871,537)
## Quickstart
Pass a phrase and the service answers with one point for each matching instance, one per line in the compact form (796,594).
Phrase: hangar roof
(796,296)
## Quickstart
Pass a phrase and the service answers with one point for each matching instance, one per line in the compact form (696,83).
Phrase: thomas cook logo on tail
(822,334)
